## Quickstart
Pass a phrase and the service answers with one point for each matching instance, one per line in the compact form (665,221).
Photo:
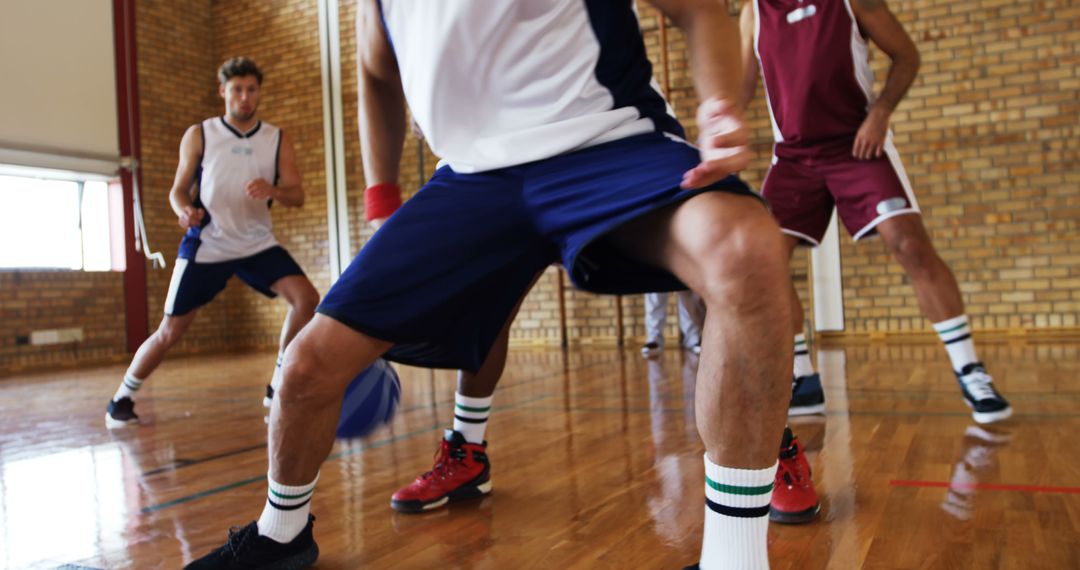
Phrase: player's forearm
(289,195)
(179,199)
(747,88)
(902,73)
(712,35)
(382,129)
(749,56)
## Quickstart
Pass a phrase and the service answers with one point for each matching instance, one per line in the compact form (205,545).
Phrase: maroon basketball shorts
(803,187)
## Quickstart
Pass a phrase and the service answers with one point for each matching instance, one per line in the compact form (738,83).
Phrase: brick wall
(988,135)
(176,90)
(282,36)
(44,300)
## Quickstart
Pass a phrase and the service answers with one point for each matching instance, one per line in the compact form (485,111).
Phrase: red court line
(987,487)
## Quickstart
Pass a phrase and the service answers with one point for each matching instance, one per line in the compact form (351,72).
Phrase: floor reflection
(978,456)
(677,475)
(65,506)
(595,458)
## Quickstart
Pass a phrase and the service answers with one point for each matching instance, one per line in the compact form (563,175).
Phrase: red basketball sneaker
(461,472)
(794,500)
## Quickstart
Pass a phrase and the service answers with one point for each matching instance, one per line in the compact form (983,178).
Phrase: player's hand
(870,140)
(191,217)
(377,223)
(260,189)
(723,141)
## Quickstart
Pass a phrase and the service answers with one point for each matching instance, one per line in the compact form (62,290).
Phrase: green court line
(525,405)
(250,480)
(640,410)
(332,457)
(404,411)
(859,394)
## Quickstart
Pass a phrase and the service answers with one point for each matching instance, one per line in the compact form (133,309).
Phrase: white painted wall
(828,285)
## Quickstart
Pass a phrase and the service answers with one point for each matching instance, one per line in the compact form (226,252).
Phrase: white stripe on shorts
(174,284)
(898,167)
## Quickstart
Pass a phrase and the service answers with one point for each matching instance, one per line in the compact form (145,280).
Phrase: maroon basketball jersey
(815,67)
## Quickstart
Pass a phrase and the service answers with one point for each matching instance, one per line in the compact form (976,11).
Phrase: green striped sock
(128,387)
(955,334)
(736,516)
(803,365)
(471,417)
(286,512)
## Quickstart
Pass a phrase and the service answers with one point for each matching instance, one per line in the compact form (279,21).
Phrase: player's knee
(912,252)
(743,264)
(305,377)
(305,299)
(168,334)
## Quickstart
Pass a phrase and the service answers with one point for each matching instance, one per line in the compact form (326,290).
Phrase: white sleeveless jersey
(235,226)
(497,83)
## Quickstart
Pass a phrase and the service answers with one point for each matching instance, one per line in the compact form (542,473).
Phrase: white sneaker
(987,405)
(652,349)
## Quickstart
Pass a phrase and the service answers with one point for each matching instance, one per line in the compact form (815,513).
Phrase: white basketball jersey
(497,83)
(238,226)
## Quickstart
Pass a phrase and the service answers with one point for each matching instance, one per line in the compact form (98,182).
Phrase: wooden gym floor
(596,464)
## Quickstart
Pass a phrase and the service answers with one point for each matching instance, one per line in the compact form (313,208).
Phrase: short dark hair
(238,67)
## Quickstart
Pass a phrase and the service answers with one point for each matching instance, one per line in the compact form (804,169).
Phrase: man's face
(241,95)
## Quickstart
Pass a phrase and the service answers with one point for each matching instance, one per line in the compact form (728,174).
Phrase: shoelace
(443,459)
(238,538)
(979,385)
(791,469)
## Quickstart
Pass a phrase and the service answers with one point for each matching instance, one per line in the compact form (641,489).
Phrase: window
(61,223)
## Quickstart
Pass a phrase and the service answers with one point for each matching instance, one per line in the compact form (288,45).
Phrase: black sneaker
(268,400)
(246,548)
(692,567)
(652,349)
(807,397)
(987,406)
(120,413)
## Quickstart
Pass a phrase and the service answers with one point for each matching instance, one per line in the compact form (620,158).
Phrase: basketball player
(241,166)
(834,149)
(691,318)
(462,468)
(556,146)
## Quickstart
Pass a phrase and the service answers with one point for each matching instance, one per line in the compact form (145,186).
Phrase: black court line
(527,405)
(182,463)
(332,457)
(248,481)
(874,395)
(831,413)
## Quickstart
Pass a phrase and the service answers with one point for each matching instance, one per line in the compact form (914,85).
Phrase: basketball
(370,401)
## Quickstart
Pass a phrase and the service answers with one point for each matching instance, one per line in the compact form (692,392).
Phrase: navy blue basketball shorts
(196,284)
(441,277)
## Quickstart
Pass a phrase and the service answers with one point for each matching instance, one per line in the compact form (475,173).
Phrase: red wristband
(381,200)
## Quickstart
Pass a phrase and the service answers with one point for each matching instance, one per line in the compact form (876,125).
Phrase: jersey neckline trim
(239,134)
